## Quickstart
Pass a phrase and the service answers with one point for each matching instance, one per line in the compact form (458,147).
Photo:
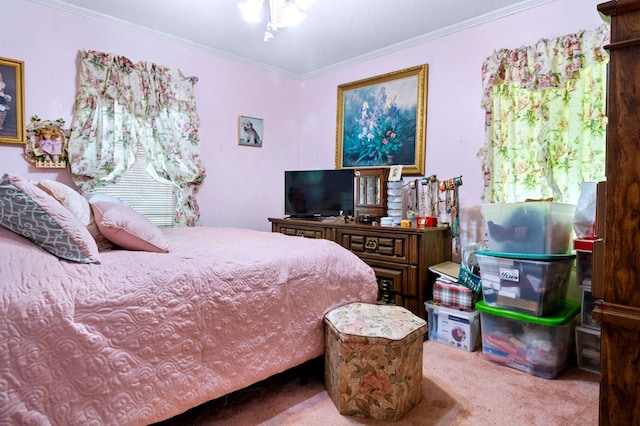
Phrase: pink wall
(244,184)
(455,121)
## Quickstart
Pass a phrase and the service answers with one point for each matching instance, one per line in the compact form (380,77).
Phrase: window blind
(154,200)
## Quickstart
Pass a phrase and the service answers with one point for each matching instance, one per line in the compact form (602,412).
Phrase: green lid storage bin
(539,346)
(531,284)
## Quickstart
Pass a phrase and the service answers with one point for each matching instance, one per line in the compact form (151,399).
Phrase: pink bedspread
(145,336)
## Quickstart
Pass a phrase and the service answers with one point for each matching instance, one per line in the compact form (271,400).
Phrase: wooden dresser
(400,257)
(619,289)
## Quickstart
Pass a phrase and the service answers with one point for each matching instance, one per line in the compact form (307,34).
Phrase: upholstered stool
(373,360)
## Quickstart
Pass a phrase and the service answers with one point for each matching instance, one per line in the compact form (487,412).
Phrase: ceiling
(336,33)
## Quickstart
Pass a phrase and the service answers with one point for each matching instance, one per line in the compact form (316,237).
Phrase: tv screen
(318,193)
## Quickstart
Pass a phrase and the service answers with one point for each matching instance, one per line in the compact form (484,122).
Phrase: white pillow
(68,197)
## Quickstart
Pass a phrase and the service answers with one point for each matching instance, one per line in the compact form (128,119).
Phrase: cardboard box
(454,295)
(448,291)
(453,327)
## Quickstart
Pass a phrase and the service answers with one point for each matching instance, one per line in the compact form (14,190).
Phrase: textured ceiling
(335,33)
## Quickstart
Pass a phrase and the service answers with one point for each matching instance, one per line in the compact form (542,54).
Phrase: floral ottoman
(373,360)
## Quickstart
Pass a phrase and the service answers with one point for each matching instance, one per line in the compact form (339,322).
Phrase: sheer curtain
(120,105)
(545,118)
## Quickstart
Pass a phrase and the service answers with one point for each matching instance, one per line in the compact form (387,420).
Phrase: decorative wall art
(382,121)
(46,145)
(11,101)
(250,131)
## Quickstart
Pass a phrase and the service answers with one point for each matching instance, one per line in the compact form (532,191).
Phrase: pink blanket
(145,336)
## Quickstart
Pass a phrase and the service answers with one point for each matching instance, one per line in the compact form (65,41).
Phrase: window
(545,118)
(149,197)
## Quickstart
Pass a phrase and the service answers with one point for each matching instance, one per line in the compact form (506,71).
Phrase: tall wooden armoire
(619,287)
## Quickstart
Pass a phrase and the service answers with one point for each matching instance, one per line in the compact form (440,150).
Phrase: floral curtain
(120,104)
(545,118)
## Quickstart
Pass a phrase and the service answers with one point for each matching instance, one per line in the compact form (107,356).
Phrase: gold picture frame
(11,101)
(381,121)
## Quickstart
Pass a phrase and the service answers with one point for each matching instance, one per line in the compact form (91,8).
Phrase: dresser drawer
(377,245)
(301,231)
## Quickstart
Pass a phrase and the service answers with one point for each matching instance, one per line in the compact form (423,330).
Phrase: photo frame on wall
(46,144)
(11,101)
(250,131)
(382,121)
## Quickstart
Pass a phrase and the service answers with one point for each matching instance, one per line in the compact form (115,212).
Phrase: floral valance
(143,88)
(120,105)
(548,63)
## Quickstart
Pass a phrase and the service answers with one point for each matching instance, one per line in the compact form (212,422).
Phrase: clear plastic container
(539,227)
(538,346)
(588,348)
(531,284)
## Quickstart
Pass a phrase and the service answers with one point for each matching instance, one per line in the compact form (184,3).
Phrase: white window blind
(154,200)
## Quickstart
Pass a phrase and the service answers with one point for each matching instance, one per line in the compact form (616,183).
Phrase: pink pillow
(127,228)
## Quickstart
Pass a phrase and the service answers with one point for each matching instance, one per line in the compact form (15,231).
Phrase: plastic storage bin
(583,268)
(539,227)
(452,327)
(538,346)
(588,304)
(588,348)
(584,260)
(535,285)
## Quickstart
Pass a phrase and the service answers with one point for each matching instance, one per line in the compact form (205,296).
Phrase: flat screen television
(318,193)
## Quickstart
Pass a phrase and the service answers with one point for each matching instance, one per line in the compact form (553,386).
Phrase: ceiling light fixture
(282,13)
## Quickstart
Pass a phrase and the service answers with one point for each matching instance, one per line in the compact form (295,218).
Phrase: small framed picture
(46,144)
(395,173)
(250,131)
(11,101)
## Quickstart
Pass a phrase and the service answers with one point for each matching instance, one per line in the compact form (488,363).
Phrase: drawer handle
(371,243)
(299,233)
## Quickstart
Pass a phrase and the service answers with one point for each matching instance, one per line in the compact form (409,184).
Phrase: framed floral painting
(11,101)
(382,121)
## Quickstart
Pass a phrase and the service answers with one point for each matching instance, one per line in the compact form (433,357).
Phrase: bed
(136,336)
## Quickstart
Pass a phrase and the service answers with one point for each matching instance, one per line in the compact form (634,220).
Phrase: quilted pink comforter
(145,336)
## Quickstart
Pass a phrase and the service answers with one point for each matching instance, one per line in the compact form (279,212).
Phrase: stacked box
(451,288)
(588,333)
(452,327)
(454,295)
(588,348)
(531,284)
(527,322)
(539,227)
(583,268)
(588,304)
(538,346)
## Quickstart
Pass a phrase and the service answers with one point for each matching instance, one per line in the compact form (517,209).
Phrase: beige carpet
(459,388)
